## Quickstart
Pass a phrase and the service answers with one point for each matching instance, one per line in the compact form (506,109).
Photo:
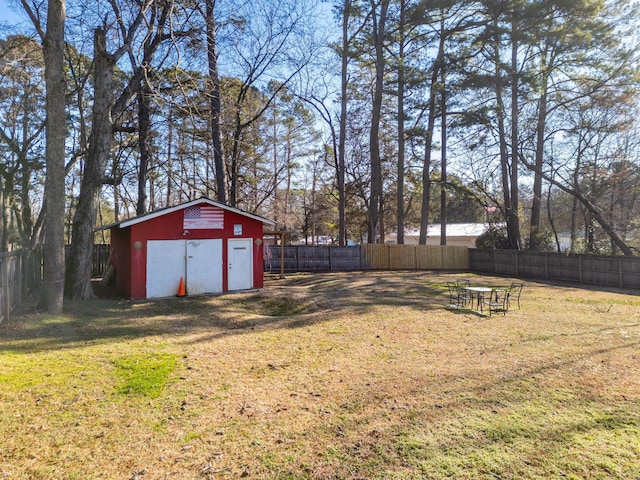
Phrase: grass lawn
(330,376)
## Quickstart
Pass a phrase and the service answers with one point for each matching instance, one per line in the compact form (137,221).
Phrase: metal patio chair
(498,301)
(514,293)
(465,296)
(454,296)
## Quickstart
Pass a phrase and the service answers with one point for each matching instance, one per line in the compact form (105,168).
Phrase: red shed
(213,247)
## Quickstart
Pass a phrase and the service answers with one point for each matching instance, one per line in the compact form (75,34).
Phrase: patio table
(478,293)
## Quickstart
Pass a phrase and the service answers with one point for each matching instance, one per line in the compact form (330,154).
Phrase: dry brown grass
(354,376)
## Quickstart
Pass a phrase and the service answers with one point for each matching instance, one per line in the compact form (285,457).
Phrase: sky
(11,15)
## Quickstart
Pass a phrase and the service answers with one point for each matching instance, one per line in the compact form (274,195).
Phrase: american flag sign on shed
(203,216)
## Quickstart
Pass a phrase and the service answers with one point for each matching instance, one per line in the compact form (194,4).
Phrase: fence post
(6,306)
(620,274)
(580,268)
(24,272)
(282,258)
(18,278)
(546,266)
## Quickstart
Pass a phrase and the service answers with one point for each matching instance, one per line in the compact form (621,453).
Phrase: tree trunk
(5,212)
(574,221)
(144,141)
(340,174)
(552,222)
(514,219)
(443,166)
(536,203)
(274,147)
(287,190)
(426,167)
(401,159)
(216,109)
(26,212)
(574,202)
(6,195)
(502,143)
(381,227)
(374,141)
(169,167)
(78,274)
(78,285)
(56,128)
(235,153)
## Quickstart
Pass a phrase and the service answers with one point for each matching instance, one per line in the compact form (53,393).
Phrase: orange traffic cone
(181,290)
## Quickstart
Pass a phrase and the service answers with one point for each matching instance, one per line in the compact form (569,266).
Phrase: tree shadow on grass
(104,321)
(300,302)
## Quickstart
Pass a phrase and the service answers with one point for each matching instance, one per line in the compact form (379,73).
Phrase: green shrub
(495,238)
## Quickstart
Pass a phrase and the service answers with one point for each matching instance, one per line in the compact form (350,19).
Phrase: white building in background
(458,234)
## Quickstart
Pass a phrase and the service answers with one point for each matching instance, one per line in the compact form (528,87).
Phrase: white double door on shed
(199,263)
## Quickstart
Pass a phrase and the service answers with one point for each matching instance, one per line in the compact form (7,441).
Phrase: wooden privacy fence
(304,258)
(99,260)
(20,272)
(416,257)
(101,253)
(622,272)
